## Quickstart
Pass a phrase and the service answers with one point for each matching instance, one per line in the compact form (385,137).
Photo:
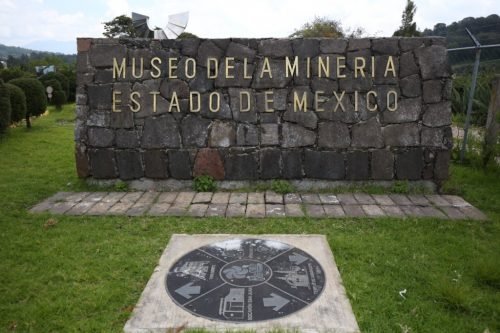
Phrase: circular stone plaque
(245,280)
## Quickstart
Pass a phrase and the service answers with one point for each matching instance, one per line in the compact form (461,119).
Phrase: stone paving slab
(274,198)
(258,205)
(275,210)
(235,210)
(202,197)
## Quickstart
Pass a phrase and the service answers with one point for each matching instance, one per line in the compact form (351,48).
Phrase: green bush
(61,78)
(460,96)
(8,74)
(204,183)
(70,73)
(56,85)
(5,109)
(36,100)
(17,103)
(58,99)
(282,186)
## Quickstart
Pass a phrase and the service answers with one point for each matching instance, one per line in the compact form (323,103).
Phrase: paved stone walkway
(257,205)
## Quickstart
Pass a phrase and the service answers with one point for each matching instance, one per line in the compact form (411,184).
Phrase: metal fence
(467,65)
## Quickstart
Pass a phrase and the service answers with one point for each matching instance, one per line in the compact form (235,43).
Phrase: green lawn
(84,274)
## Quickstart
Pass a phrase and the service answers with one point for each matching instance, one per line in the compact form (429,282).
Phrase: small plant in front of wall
(121,186)
(281,186)
(204,183)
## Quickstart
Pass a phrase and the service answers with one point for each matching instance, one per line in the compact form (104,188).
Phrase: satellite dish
(176,25)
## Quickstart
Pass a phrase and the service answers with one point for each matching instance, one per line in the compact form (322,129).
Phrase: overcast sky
(42,23)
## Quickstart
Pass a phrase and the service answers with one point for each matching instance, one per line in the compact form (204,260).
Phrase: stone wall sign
(248,109)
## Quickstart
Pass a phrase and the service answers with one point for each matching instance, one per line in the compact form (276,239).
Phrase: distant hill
(15,51)
(487,32)
(19,56)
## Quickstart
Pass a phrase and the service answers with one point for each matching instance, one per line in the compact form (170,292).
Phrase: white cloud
(116,8)
(30,20)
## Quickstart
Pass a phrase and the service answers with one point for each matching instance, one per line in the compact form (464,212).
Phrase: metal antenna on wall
(175,26)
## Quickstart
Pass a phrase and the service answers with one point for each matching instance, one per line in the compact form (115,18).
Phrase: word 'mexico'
(325,67)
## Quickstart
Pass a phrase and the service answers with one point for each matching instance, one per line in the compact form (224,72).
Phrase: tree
(120,26)
(5,108)
(58,99)
(17,103)
(186,35)
(408,28)
(36,100)
(320,27)
(59,77)
(8,74)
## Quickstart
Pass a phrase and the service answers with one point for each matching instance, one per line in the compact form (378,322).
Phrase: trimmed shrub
(58,99)
(61,78)
(56,85)
(5,109)
(36,100)
(17,103)
(8,74)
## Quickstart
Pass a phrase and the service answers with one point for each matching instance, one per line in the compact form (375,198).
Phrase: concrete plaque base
(158,311)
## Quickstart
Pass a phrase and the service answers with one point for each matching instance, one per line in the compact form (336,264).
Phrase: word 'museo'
(213,68)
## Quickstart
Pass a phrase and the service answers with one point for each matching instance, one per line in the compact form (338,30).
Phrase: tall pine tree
(408,27)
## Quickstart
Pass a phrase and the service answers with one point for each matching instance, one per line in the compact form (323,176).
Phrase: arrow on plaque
(188,290)
(297,258)
(275,301)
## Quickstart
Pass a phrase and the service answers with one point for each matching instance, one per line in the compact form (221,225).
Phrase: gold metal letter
(300,103)
(229,67)
(292,69)
(268,99)
(191,102)
(154,93)
(120,71)
(339,101)
(215,61)
(210,102)
(395,94)
(172,66)
(248,105)
(155,68)
(373,67)
(137,106)
(340,66)
(390,67)
(134,69)
(245,69)
(192,73)
(266,68)
(371,92)
(174,102)
(116,100)
(356,100)
(318,99)
(324,68)
(360,67)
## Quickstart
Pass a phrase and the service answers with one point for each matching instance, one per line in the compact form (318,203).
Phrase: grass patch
(85,274)
(488,273)
(453,294)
